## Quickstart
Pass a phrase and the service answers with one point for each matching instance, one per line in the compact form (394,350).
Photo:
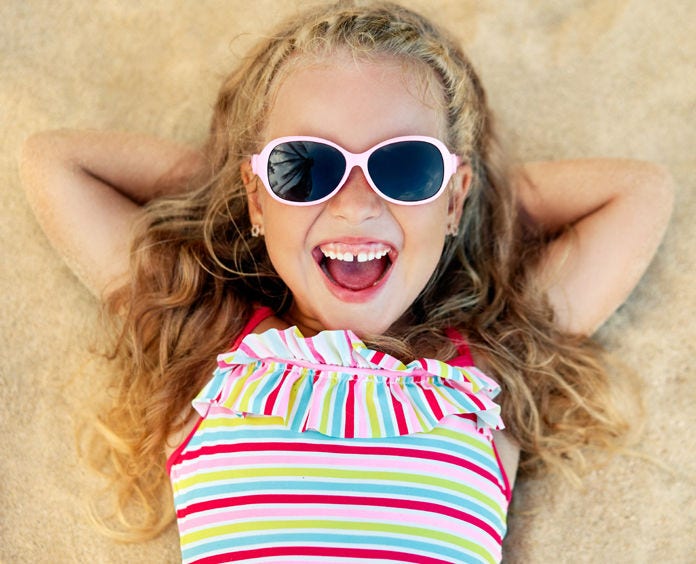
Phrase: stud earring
(256,230)
(452,229)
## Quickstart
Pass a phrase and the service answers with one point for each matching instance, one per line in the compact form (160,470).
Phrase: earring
(452,229)
(256,230)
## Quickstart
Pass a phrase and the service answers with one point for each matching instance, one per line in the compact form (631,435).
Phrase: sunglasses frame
(259,166)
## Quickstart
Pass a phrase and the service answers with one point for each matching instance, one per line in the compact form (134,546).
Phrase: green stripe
(238,387)
(328,399)
(372,409)
(351,475)
(482,445)
(361,526)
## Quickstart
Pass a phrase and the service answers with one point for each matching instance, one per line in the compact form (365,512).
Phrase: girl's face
(356,105)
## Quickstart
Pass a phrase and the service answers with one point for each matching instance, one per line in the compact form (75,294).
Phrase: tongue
(356,275)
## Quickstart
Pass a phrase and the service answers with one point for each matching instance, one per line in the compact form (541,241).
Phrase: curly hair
(196,274)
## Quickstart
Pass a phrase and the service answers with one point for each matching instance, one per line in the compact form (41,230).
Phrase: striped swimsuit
(322,450)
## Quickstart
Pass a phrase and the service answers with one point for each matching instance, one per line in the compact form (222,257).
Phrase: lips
(354,267)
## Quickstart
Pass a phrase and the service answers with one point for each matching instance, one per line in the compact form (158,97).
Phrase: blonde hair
(197,274)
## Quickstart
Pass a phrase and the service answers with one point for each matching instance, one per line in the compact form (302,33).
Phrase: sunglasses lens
(304,171)
(407,171)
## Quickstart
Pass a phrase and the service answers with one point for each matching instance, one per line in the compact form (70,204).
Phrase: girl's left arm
(608,218)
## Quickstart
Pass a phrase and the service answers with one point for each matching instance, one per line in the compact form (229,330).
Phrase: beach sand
(573,78)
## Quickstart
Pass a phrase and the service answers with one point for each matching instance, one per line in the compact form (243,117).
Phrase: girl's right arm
(86,188)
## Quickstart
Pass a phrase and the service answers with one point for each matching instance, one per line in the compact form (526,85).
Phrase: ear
(457,195)
(251,185)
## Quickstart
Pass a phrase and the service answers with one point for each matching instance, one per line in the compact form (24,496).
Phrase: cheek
(424,234)
(286,231)
(427,223)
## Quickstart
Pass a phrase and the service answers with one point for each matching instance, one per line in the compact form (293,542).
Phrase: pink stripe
(295,499)
(282,404)
(348,337)
(247,350)
(413,425)
(345,448)
(238,463)
(316,403)
(346,513)
(361,413)
(269,404)
(313,349)
(334,553)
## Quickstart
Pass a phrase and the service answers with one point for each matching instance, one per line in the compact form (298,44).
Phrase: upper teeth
(361,256)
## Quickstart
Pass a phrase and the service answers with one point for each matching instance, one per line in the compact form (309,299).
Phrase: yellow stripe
(213,422)
(251,390)
(238,387)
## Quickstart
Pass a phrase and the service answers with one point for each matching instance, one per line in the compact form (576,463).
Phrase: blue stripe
(269,382)
(302,485)
(211,389)
(385,414)
(312,537)
(425,441)
(417,395)
(304,395)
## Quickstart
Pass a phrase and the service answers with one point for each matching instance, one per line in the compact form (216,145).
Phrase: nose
(356,201)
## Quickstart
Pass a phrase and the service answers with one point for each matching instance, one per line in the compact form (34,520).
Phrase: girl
(350,212)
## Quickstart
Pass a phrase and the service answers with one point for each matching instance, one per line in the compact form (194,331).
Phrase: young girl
(362,272)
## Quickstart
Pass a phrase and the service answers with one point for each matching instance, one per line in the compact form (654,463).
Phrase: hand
(608,218)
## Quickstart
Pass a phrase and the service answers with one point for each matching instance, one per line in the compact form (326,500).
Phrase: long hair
(196,274)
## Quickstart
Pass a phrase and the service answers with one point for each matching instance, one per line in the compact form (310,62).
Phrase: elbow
(659,188)
(35,150)
(40,157)
(31,155)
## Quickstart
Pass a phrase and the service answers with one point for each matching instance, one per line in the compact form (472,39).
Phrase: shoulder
(509,454)
(270,322)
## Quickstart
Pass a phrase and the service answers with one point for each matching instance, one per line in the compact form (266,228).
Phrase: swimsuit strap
(257,317)
(464,358)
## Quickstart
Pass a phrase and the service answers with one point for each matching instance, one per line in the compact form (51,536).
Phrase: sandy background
(567,78)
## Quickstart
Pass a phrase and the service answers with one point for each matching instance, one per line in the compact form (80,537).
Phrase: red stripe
(432,402)
(377,357)
(401,423)
(300,499)
(477,402)
(257,317)
(175,457)
(273,396)
(324,551)
(341,449)
(349,431)
(464,359)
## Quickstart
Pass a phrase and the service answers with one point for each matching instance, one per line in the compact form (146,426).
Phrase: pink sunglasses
(303,171)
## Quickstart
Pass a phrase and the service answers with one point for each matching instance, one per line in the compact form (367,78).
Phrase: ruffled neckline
(334,384)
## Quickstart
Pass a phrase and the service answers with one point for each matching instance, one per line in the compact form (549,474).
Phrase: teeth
(363,255)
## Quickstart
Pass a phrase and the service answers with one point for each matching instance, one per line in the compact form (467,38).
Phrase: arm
(86,188)
(618,211)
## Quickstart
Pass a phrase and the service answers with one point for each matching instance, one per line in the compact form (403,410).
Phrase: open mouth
(354,267)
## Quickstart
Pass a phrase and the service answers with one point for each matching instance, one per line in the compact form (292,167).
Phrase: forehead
(329,96)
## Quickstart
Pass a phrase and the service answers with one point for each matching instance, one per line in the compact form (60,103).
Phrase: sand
(567,78)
